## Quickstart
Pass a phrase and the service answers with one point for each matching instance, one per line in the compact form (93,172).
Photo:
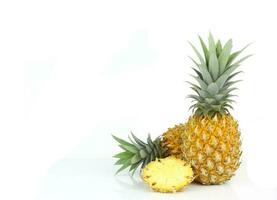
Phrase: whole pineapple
(211,137)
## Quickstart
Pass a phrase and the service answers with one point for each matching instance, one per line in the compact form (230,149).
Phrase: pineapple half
(168,174)
(211,137)
(161,173)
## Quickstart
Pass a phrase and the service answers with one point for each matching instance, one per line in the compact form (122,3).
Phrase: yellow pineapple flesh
(212,145)
(168,174)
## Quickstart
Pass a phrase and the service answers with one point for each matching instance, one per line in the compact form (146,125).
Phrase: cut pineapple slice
(168,174)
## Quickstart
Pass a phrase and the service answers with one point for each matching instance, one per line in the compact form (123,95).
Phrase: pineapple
(169,174)
(211,137)
(209,140)
(172,141)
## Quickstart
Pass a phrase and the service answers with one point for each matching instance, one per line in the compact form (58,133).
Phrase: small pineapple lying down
(168,174)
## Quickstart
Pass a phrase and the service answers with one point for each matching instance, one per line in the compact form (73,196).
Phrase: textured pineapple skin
(213,147)
(167,175)
(172,140)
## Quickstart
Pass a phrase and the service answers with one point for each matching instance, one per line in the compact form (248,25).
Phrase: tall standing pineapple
(211,137)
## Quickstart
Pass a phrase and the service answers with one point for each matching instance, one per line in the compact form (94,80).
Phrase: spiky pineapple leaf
(136,158)
(142,153)
(197,53)
(205,73)
(193,85)
(138,141)
(131,149)
(231,69)
(195,97)
(120,161)
(213,89)
(134,167)
(124,154)
(198,73)
(201,82)
(204,94)
(218,48)
(234,55)
(212,48)
(120,141)
(224,56)
(213,66)
(124,166)
(241,60)
(233,75)
(221,80)
(205,49)
(196,63)
(137,153)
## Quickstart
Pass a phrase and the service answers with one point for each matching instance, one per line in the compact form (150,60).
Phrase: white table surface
(88,179)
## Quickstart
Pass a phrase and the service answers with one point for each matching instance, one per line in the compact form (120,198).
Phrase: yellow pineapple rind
(213,147)
(167,175)
(172,140)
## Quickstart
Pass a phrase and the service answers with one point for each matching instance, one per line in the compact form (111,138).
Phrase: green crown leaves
(215,72)
(137,153)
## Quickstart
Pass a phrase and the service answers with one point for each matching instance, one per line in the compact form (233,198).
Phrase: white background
(73,72)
